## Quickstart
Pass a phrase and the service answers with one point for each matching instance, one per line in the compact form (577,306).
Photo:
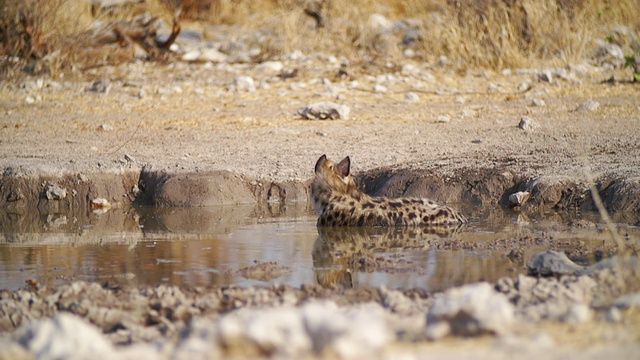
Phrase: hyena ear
(321,161)
(344,167)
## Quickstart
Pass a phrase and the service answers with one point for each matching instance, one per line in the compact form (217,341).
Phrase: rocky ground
(209,130)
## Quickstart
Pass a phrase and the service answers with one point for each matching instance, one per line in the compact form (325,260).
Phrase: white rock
(443,119)
(192,55)
(214,56)
(198,341)
(409,69)
(411,97)
(524,86)
(355,332)
(578,314)
(377,88)
(271,67)
(409,53)
(105,127)
(613,315)
(588,106)
(325,110)
(30,99)
(278,331)
(244,83)
(527,123)
(519,198)
(65,336)
(538,102)
(55,192)
(470,310)
(379,24)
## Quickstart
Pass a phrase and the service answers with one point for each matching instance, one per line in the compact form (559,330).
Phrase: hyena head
(335,177)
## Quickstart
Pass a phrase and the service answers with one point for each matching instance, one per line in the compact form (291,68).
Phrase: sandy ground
(189,121)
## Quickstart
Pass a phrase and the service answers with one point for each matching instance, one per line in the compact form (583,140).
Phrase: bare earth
(187,118)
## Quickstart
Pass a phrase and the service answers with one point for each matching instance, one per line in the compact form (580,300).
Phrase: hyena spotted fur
(339,202)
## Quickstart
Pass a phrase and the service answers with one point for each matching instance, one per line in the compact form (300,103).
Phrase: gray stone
(546,76)
(470,310)
(609,54)
(325,110)
(100,86)
(527,123)
(552,263)
(411,97)
(55,192)
(588,106)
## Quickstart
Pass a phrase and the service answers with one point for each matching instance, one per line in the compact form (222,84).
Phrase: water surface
(210,246)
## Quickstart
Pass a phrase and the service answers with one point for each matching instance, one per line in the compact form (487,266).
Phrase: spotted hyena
(339,202)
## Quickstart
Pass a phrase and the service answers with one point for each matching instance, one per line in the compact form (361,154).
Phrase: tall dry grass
(490,34)
(477,33)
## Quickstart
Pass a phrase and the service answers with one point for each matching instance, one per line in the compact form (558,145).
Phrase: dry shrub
(38,36)
(32,32)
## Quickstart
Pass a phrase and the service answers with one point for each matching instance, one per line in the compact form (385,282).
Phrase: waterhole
(249,245)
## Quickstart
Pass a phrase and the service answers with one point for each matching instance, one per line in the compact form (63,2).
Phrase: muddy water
(262,245)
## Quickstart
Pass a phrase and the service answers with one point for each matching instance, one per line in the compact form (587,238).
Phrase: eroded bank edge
(81,192)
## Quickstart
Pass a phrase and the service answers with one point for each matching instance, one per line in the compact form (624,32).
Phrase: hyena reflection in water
(341,252)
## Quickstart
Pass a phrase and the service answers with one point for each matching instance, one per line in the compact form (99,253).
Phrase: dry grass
(490,34)
(481,33)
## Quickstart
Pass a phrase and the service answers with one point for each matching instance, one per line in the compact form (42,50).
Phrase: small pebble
(527,123)
(379,89)
(105,127)
(538,102)
(588,106)
(411,97)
